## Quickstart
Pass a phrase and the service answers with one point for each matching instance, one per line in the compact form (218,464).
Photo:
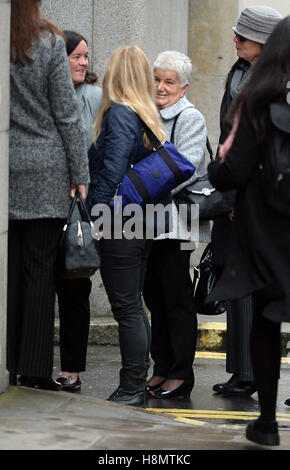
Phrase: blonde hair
(129,80)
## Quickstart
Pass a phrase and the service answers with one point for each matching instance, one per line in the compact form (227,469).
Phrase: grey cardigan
(47,140)
(89,100)
(190,140)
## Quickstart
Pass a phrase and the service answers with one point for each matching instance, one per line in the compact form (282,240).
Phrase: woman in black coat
(249,39)
(258,260)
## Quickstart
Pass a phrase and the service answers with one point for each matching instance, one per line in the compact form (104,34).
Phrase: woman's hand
(81,188)
(231,215)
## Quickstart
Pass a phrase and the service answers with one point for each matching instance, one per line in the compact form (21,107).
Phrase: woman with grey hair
(168,288)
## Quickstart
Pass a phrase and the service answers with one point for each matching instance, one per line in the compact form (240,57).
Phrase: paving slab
(42,420)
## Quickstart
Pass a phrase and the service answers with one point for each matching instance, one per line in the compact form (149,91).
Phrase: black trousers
(74,322)
(239,325)
(266,352)
(123,271)
(168,294)
(32,251)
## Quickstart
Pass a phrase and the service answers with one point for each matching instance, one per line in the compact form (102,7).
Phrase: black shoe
(125,397)
(218,387)
(152,388)
(287,402)
(235,387)
(45,383)
(263,433)
(182,391)
(67,386)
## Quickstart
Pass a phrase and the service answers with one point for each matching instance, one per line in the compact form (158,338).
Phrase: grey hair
(176,61)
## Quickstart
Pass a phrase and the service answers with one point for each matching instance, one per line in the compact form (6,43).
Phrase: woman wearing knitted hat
(252,31)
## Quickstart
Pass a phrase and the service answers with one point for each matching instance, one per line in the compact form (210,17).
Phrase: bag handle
(82,208)
(208,146)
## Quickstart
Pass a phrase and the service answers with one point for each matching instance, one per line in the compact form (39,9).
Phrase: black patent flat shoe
(152,388)
(67,386)
(131,398)
(182,391)
(287,402)
(218,387)
(263,433)
(45,383)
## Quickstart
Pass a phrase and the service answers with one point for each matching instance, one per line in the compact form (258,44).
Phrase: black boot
(126,397)
(263,432)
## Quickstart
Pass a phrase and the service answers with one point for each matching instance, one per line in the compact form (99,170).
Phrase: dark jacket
(259,253)
(120,143)
(222,226)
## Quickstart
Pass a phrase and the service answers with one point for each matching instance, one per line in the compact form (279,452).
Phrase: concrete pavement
(41,420)
(52,421)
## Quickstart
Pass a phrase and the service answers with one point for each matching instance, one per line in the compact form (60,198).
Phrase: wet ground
(40,420)
(204,406)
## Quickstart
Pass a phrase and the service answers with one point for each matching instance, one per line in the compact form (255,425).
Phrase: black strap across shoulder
(139,185)
(208,146)
(158,147)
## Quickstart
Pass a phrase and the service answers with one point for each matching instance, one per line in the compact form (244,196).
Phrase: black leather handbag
(212,203)
(205,277)
(79,253)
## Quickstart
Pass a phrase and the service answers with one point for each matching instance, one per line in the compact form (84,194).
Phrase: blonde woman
(128,92)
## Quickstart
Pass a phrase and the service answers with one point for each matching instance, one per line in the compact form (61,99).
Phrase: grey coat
(190,140)
(89,100)
(47,140)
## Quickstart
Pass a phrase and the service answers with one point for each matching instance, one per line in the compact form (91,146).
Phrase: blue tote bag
(152,178)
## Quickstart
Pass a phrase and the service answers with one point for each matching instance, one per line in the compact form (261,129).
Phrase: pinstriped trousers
(32,252)
(239,325)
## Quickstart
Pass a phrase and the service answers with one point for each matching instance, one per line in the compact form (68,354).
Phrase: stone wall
(4,126)
(153,25)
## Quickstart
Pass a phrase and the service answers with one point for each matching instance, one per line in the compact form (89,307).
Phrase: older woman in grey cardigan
(168,289)
(47,164)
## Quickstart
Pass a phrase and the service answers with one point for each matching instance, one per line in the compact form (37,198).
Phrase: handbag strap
(208,146)
(81,206)
(158,147)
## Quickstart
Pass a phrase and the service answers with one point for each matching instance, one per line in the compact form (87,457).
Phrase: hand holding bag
(212,203)
(205,277)
(79,253)
(152,178)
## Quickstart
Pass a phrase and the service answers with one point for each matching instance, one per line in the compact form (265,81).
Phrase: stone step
(211,334)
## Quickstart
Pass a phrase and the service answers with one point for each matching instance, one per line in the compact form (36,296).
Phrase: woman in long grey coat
(48,163)
(168,288)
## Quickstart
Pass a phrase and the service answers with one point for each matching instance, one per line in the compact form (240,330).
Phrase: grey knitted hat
(257,23)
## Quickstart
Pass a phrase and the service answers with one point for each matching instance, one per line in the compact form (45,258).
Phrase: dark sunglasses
(240,38)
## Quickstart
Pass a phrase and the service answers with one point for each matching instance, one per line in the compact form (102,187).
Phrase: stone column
(4,148)
(212,52)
